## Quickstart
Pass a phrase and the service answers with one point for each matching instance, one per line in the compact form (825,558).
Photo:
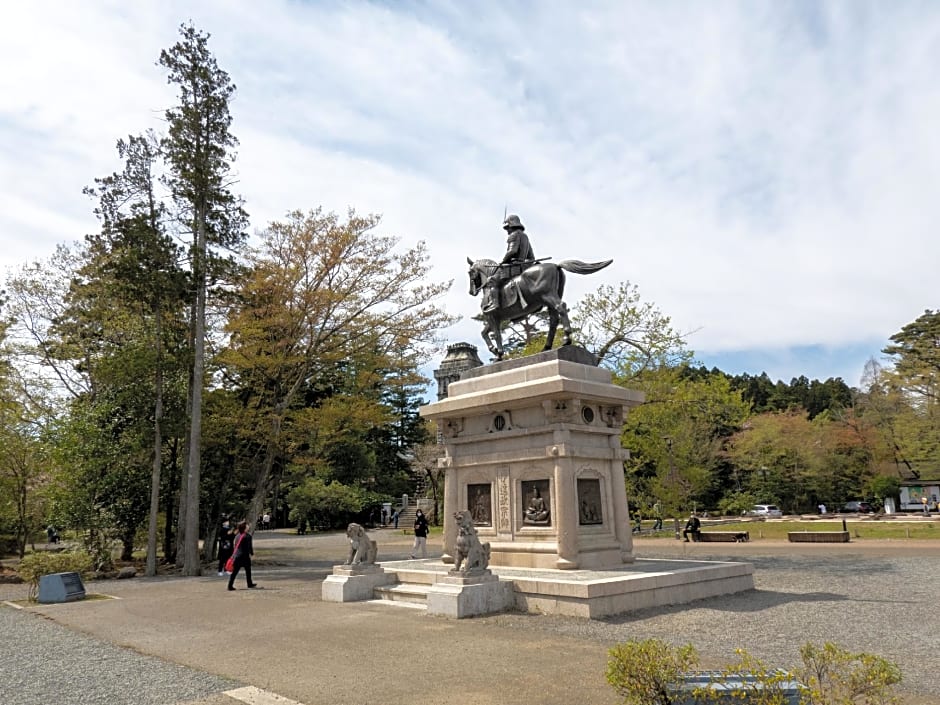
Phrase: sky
(766,173)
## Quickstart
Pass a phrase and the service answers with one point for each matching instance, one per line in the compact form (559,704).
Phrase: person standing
(244,550)
(226,545)
(923,499)
(421,535)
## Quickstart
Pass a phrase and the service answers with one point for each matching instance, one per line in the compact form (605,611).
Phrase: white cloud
(763,171)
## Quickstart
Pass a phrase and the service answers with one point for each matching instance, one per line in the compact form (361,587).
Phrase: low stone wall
(818,536)
(724,536)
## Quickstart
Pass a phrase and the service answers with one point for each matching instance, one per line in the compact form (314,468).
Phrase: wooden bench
(726,536)
(818,536)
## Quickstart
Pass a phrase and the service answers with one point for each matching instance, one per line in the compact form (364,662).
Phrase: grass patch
(89,597)
(897,530)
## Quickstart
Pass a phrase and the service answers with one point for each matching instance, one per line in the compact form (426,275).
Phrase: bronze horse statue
(540,285)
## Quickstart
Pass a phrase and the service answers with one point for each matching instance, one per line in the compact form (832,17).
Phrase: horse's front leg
(496,337)
(552,327)
(490,342)
(565,323)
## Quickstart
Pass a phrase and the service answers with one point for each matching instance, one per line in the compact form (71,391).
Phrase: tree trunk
(169,549)
(151,569)
(127,546)
(192,563)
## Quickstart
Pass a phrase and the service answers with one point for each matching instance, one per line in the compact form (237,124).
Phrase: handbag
(230,563)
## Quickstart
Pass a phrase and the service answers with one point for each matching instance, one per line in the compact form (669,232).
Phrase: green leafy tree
(142,263)
(324,304)
(676,439)
(912,386)
(322,503)
(627,334)
(199,151)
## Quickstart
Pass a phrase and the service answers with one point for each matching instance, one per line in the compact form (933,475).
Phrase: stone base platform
(354,583)
(594,594)
(459,597)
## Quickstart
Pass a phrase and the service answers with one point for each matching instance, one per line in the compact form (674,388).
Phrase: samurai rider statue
(519,255)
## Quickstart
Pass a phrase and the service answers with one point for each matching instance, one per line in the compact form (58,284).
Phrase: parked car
(859,507)
(765,510)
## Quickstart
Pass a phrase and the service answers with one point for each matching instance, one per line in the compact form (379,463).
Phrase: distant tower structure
(460,357)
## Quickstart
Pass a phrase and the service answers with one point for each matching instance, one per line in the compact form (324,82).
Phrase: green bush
(651,672)
(35,565)
(834,676)
(737,503)
(647,672)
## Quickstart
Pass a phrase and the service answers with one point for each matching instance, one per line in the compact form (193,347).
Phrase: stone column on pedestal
(451,505)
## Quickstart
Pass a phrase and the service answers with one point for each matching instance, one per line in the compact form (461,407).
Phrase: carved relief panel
(480,503)
(536,503)
(590,507)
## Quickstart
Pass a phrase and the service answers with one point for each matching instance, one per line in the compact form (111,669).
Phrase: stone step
(403,592)
(420,606)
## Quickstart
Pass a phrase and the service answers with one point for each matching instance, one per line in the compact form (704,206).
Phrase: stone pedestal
(354,583)
(460,596)
(532,450)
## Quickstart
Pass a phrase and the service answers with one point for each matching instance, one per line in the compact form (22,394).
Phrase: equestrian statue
(521,285)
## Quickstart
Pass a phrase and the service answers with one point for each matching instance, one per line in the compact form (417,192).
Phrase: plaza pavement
(283,641)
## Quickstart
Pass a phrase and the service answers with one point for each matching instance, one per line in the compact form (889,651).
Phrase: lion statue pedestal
(470,588)
(358,577)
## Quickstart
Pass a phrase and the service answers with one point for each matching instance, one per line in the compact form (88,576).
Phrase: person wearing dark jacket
(692,526)
(421,535)
(243,553)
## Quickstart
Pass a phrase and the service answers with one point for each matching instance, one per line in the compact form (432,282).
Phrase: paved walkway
(212,647)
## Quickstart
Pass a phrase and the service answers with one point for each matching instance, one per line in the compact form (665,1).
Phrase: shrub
(647,672)
(834,676)
(759,684)
(35,565)
(652,672)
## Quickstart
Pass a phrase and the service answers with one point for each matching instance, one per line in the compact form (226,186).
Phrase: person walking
(658,516)
(226,545)
(421,535)
(244,550)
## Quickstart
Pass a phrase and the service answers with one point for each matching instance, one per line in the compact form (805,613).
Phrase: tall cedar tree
(199,150)
(142,262)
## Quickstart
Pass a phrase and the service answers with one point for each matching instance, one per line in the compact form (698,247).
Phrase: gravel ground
(877,597)
(42,663)
(870,600)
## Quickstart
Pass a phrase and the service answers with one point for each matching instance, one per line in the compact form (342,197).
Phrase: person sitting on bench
(692,526)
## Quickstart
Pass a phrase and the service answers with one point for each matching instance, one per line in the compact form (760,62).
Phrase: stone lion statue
(469,548)
(362,549)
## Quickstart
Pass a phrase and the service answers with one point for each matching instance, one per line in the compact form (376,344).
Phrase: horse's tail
(576,266)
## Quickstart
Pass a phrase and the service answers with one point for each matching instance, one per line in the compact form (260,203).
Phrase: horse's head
(480,271)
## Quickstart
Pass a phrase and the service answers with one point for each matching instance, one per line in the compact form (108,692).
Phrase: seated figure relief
(536,511)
